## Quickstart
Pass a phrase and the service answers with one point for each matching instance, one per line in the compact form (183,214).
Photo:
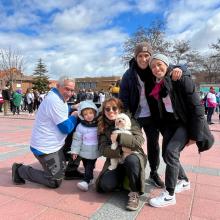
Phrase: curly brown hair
(101,120)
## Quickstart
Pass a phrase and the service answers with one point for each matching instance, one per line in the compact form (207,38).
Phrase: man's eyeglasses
(114,109)
(68,89)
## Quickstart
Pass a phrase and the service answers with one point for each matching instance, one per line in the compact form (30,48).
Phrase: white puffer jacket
(85,140)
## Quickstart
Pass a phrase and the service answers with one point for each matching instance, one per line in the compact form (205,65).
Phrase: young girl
(183,121)
(85,143)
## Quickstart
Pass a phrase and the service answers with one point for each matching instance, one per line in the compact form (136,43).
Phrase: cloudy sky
(85,37)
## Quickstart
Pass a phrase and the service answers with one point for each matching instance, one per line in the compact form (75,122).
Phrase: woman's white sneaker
(181,186)
(164,199)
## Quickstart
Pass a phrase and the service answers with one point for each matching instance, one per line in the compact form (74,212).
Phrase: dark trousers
(30,108)
(210,113)
(53,164)
(15,109)
(174,140)
(89,166)
(72,164)
(153,148)
(112,179)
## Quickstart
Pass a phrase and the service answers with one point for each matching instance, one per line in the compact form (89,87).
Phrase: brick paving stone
(33,201)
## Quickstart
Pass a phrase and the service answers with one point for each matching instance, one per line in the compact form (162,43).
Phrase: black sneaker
(155,179)
(73,175)
(15,175)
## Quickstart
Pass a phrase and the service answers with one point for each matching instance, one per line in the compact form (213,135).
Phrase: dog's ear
(128,121)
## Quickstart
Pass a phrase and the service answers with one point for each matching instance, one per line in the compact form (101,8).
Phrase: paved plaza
(33,201)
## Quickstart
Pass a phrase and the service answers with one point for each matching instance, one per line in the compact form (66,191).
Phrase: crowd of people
(211,102)
(16,101)
(157,97)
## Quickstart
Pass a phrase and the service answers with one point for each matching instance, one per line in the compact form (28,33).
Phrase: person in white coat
(85,141)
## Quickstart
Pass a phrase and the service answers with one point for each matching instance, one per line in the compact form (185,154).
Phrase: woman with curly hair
(133,166)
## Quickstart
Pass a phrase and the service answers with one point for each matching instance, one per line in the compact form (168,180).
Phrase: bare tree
(215,61)
(216,47)
(11,63)
(155,35)
(211,68)
(179,51)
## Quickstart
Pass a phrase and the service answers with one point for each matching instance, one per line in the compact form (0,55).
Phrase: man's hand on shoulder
(176,74)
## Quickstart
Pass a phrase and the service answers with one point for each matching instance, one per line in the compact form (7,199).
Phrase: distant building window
(87,85)
(80,85)
(93,85)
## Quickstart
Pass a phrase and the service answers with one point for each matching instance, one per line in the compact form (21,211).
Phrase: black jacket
(187,108)
(130,90)
(6,94)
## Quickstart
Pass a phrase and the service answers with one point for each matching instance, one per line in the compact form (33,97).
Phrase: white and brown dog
(122,125)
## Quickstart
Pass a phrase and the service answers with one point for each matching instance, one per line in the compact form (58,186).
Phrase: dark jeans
(53,164)
(112,179)
(174,140)
(89,166)
(210,113)
(153,148)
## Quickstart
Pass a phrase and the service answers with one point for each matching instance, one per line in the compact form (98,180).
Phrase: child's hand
(74,156)
(75,106)
(75,113)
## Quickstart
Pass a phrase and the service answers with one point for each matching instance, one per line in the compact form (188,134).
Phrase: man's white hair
(62,79)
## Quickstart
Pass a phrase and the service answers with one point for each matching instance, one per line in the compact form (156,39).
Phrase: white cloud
(80,37)
(89,15)
(78,54)
(148,5)
(196,21)
(208,33)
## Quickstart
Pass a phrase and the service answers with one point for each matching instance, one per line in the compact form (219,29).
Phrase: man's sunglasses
(114,109)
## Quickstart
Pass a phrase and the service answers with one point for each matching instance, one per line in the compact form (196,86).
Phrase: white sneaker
(164,199)
(181,186)
(84,186)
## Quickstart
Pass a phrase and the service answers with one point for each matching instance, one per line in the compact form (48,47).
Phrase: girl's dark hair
(101,120)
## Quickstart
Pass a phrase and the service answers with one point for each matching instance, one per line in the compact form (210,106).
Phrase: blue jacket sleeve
(68,125)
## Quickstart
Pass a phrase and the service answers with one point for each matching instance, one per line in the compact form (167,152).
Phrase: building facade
(21,81)
(96,83)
